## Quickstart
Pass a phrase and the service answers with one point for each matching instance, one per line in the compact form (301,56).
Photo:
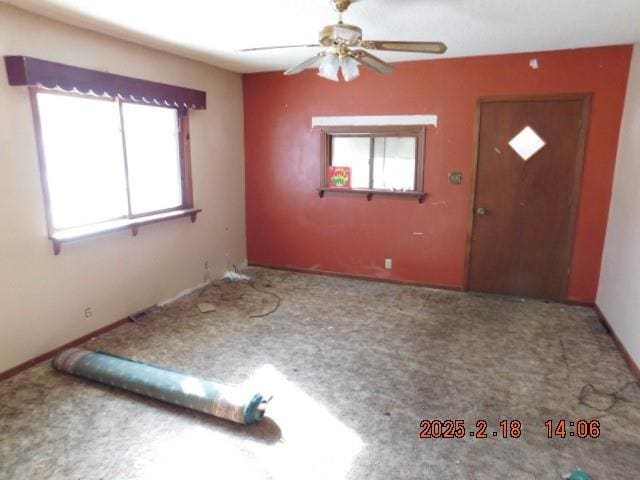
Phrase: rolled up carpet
(222,401)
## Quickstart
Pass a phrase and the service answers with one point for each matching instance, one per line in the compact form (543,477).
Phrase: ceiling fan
(345,50)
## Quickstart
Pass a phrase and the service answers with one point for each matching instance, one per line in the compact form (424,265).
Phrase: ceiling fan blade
(279,47)
(309,62)
(418,47)
(373,62)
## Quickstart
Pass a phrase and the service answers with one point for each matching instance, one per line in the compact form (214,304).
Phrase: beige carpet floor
(354,366)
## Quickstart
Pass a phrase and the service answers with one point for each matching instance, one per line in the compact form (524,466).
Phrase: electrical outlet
(388,263)
(87,312)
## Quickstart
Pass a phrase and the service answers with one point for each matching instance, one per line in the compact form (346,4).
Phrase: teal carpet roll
(177,388)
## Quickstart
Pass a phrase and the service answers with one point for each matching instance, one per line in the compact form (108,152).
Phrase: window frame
(372,132)
(129,221)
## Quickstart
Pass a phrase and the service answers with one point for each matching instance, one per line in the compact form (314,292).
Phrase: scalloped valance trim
(57,76)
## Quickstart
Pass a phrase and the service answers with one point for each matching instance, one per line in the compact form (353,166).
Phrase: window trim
(417,131)
(130,221)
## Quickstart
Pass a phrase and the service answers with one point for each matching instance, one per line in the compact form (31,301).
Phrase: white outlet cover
(388,263)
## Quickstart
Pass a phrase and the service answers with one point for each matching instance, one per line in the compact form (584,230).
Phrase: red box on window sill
(339,178)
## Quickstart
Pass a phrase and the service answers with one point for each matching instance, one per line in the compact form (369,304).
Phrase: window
(382,159)
(106,160)
(113,150)
(394,163)
(527,143)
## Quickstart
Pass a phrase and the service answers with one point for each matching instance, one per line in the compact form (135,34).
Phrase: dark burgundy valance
(34,72)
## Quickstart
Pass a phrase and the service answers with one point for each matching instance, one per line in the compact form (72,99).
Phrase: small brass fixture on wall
(455,178)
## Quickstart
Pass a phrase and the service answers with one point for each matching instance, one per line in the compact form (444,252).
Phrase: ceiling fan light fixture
(350,70)
(330,67)
(346,50)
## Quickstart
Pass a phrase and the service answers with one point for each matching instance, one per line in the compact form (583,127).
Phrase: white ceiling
(214,30)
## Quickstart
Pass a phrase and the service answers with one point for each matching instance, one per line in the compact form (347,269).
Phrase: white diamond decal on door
(527,143)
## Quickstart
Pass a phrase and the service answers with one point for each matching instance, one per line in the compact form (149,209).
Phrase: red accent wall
(289,225)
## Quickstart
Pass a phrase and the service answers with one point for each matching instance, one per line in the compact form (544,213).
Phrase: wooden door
(525,207)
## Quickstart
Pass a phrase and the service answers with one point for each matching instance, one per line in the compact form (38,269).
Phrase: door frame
(586,99)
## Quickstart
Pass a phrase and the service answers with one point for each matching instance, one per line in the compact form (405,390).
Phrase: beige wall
(619,291)
(42,296)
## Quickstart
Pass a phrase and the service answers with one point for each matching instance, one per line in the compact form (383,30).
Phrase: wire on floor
(274,295)
(236,277)
(614,396)
(223,295)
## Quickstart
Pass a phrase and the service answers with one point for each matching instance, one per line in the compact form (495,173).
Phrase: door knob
(481,211)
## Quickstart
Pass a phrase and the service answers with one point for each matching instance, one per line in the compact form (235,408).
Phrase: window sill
(421,196)
(78,233)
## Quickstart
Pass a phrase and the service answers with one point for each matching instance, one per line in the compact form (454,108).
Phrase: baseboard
(355,276)
(578,303)
(625,354)
(46,356)
(183,293)
(78,341)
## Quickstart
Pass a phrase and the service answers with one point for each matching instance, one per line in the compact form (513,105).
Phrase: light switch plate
(455,178)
